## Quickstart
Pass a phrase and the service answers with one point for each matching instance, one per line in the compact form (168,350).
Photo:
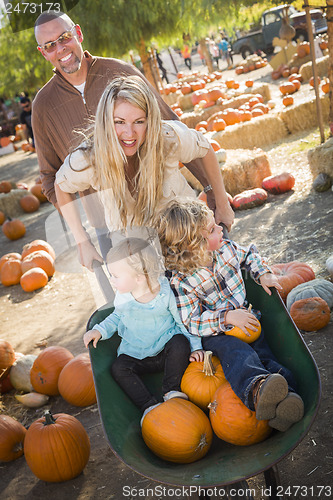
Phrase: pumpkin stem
(212,406)
(208,367)
(49,418)
(249,308)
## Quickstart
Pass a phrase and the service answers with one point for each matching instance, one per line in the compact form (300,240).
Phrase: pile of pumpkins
(56,447)
(31,269)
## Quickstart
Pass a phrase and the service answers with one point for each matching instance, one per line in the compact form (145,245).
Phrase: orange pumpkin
(7,355)
(233,422)
(310,314)
(291,274)
(257,112)
(185,89)
(13,229)
(34,279)
(231,116)
(201,125)
(288,100)
(11,272)
(76,383)
(215,145)
(325,86)
(249,199)
(230,83)
(311,81)
(237,332)
(287,88)
(9,256)
(219,125)
(5,187)
(12,435)
(39,258)
(249,83)
(37,245)
(56,447)
(177,431)
(279,183)
(37,191)
(29,203)
(2,217)
(201,379)
(46,369)
(215,93)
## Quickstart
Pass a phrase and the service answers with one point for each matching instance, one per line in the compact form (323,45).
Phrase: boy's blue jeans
(243,364)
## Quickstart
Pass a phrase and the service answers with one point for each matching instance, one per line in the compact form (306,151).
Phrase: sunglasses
(66,37)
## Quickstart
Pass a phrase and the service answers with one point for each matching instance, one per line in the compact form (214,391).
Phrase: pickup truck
(271,21)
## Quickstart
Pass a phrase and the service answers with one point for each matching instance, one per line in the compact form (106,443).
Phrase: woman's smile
(131,125)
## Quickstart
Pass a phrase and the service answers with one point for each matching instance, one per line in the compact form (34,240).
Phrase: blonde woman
(131,158)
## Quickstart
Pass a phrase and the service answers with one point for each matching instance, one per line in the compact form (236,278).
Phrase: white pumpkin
(20,373)
(314,288)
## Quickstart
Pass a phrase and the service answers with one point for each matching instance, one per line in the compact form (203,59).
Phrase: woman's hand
(243,319)
(197,356)
(269,280)
(94,335)
(87,254)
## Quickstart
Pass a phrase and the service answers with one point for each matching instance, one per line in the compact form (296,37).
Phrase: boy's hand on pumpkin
(94,335)
(197,356)
(243,319)
(269,280)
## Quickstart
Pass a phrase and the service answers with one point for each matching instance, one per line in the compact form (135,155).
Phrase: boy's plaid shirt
(204,297)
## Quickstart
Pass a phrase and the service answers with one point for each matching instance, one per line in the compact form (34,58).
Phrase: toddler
(146,318)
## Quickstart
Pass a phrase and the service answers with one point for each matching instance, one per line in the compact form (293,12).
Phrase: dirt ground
(293,226)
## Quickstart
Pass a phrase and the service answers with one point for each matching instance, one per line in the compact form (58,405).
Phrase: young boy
(210,294)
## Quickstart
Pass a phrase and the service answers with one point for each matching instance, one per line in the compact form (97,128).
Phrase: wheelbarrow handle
(224,230)
(103,281)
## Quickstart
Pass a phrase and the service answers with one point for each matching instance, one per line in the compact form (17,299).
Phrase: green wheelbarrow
(225,466)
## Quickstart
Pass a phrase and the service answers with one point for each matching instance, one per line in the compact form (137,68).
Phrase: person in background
(186,53)
(26,118)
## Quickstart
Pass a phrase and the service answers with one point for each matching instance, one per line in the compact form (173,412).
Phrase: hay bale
(243,169)
(258,132)
(171,98)
(9,202)
(320,159)
(303,116)
(185,101)
(322,68)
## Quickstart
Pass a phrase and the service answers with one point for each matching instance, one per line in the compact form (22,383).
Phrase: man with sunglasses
(69,99)
(25,119)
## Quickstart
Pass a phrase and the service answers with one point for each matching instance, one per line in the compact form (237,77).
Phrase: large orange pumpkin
(11,272)
(76,383)
(46,369)
(291,274)
(33,279)
(310,314)
(35,245)
(233,422)
(177,431)
(57,447)
(13,229)
(12,435)
(201,379)
(2,217)
(249,199)
(279,183)
(7,355)
(36,190)
(39,258)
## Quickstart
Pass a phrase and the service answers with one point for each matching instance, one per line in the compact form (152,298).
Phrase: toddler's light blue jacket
(145,328)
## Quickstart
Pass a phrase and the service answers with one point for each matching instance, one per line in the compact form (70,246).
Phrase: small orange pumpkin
(201,379)
(13,229)
(56,447)
(39,258)
(2,217)
(76,383)
(5,186)
(288,100)
(29,203)
(12,435)
(287,88)
(36,190)
(233,422)
(310,314)
(9,256)
(237,332)
(249,83)
(7,355)
(11,272)
(46,369)
(219,125)
(34,279)
(177,431)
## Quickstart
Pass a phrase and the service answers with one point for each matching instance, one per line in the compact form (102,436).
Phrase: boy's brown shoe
(288,412)
(268,392)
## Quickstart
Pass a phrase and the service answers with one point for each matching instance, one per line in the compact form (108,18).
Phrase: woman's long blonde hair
(180,230)
(108,157)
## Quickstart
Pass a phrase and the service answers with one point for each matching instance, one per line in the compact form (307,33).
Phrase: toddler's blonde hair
(140,255)
(180,231)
